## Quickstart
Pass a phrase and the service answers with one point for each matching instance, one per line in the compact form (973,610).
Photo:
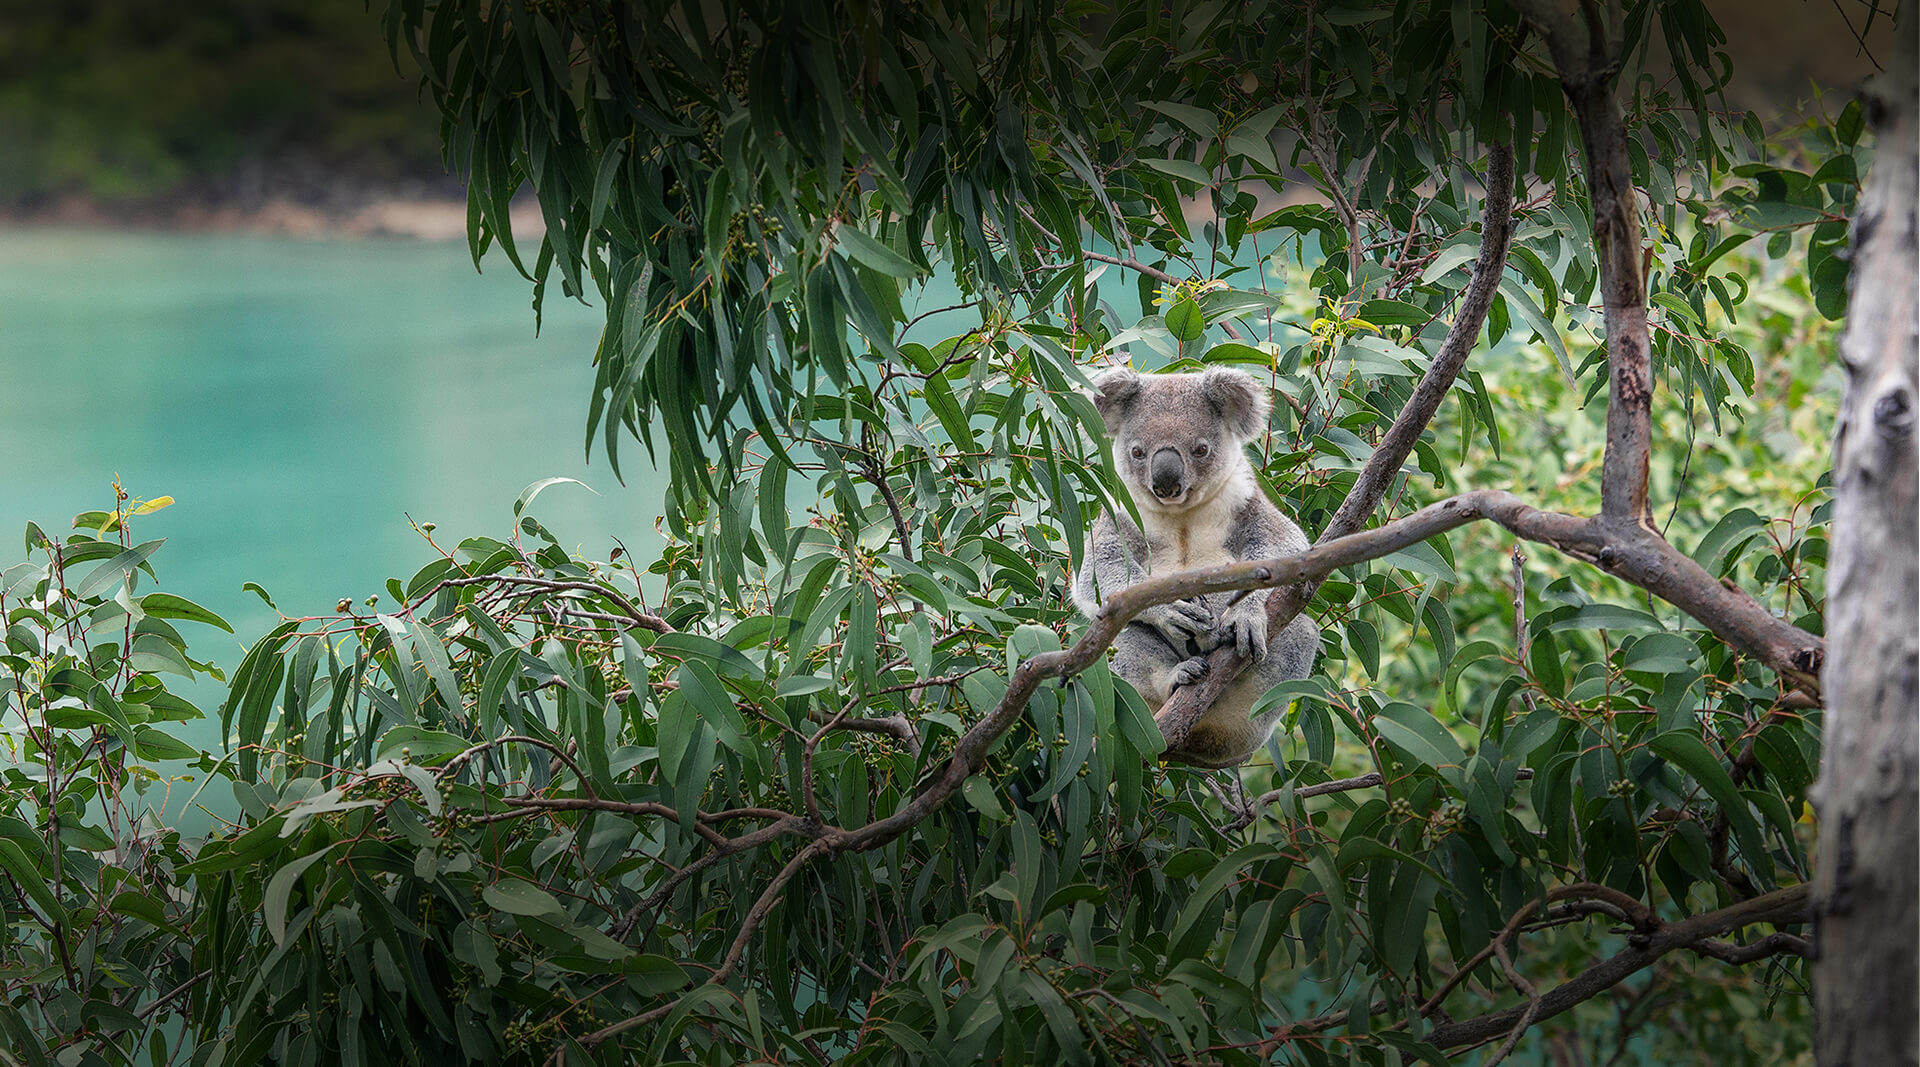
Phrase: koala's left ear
(1242,402)
(1113,393)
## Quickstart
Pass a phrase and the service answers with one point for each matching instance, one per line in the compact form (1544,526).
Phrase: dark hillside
(132,109)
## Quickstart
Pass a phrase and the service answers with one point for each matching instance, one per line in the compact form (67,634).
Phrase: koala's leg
(1149,663)
(1226,736)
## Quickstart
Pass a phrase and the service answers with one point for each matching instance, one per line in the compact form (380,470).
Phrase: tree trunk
(1867,876)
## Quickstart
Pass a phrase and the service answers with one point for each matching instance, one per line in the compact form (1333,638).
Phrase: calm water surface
(299,400)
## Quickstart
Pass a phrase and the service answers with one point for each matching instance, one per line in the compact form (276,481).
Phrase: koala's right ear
(1113,393)
(1240,400)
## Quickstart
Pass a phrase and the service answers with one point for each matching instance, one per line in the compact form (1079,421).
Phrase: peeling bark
(1866,890)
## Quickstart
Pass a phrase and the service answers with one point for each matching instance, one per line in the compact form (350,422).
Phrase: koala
(1178,444)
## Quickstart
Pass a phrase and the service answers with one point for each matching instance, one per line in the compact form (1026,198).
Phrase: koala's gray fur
(1178,442)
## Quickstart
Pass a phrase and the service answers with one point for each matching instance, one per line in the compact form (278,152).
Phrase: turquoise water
(299,400)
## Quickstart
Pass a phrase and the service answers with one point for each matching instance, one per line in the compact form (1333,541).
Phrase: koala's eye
(1138,452)
(1201,449)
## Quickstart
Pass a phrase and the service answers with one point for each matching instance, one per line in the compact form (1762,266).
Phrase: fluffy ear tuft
(1113,393)
(1242,402)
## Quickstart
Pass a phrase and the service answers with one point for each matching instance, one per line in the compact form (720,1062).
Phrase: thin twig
(1527,990)
(1154,272)
(639,618)
(164,998)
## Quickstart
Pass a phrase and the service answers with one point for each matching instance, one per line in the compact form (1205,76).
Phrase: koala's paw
(1188,672)
(1245,628)
(1180,622)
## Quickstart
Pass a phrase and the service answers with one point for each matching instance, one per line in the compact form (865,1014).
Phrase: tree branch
(1585,54)
(639,618)
(1626,550)
(1369,780)
(1781,906)
(1651,940)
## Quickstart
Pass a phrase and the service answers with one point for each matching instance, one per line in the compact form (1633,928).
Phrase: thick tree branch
(1650,940)
(1496,237)
(1781,906)
(1586,55)
(1626,550)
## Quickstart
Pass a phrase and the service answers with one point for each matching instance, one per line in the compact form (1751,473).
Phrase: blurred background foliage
(120,102)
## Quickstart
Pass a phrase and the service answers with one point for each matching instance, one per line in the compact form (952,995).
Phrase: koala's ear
(1113,393)
(1242,402)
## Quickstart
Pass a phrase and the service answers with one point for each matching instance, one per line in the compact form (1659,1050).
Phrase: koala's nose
(1166,473)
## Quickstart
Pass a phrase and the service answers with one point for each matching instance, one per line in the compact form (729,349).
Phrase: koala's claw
(1246,631)
(1189,672)
(1180,622)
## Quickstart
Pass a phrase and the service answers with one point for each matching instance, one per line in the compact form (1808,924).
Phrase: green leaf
(1184,169)
(1735,529)
(421,743)
(945,407)
(1136,722)
(1828,280)
(1544,660)
(980,793)
(1364,638)
(1416,732)
(150,743)
(1185,321)
(1852,121)
(280,890)
(154,653)
(1684,749)
(800,685)
(525,499)
(1450,259)
(516,896)
(37,883)
(116,570)
(1606,617)
(678,725)
(1393,313)
(724,658)
(863,249)
(1523,305)
(1661,653)
(1258,149)
(1232,352)
(1199,120)
(168,606)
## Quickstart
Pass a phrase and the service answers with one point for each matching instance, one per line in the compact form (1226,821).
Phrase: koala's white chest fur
(1196,536)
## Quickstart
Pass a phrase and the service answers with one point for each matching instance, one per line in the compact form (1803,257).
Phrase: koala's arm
(1113,563)
(1260,531)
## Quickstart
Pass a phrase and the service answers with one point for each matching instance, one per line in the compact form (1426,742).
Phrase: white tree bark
(1867,875)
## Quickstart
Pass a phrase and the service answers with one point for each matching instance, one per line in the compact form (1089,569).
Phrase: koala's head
(1177,437)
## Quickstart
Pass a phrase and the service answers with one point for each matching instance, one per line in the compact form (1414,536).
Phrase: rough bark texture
(1623,288)
(1866,889)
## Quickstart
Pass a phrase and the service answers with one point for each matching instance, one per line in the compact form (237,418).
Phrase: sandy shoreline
(419,218)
